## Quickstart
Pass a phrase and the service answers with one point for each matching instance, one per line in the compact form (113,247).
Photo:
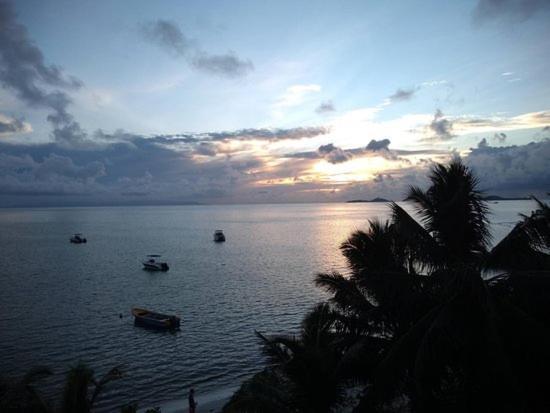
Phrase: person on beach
(192,402)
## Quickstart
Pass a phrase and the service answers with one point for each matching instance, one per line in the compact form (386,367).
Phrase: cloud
(325,107)
(375,145)
(206,149)
(373,149)
(271,135)
(401,95)
(295,95)
(500,137)
(167,35)
(127,168)
(10,126)
(24,72)
(471,124)
(334,154)
(124,166)
(512,10)
(514,170)
(226,65)
(52,175)
(241,135)
(441,128)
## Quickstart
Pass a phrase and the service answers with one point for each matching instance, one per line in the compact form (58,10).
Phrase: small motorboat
(78,239)
(152,263)
(219,236)
(151,319)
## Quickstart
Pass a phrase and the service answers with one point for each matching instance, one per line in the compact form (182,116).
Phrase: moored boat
(155,320)
(152,263)
(78,239)
(219,236)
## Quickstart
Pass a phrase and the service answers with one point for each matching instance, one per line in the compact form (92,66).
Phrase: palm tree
(419,321)
(303,366)
(419,285)
(78,383)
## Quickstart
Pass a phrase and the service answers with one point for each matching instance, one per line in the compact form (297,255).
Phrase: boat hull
(155,320)
(155,266)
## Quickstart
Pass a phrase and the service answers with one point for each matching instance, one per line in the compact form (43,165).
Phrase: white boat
(219,236)
(78,239)
(152,263)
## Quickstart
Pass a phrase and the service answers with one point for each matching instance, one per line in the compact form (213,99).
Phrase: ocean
(61,303)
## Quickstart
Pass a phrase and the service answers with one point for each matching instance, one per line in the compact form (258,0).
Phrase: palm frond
(279,349)
(423,251)
(114,374)
(516,252)
(345,293)
(373,250)
(267,391)
(75,393)
(454,212)
(389,372)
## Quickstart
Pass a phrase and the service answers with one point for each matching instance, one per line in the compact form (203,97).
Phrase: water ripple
(63,302)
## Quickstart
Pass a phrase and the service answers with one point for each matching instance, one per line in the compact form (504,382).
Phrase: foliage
(21,395)
(421,320)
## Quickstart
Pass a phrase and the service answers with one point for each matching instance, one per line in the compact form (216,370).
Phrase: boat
(152,263)
(219,236)
(78,239)
(152,319)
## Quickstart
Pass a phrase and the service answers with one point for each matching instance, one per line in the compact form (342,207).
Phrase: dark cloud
(328,152)
(9,126)
(325,107)
(334,154)
(167,35)
(512,10)
(123,166)
(206,149)
(514,170)
(374,148)
(500,137)
(240,135)
(441,128)
(24,72)
(271,135)
(128,168)
(402,95)
(52,175)
(225,65)
(375,145)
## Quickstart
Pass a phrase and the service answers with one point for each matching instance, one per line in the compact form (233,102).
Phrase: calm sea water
(60,303)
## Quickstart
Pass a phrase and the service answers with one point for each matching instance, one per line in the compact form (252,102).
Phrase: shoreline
(211,402)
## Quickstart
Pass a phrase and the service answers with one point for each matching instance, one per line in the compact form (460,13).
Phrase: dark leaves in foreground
(421,322)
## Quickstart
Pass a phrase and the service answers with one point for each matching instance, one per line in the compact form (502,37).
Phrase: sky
(167,102)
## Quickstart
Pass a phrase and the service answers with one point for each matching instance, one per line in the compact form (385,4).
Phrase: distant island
(486,198)
(500,198)
(367,200)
